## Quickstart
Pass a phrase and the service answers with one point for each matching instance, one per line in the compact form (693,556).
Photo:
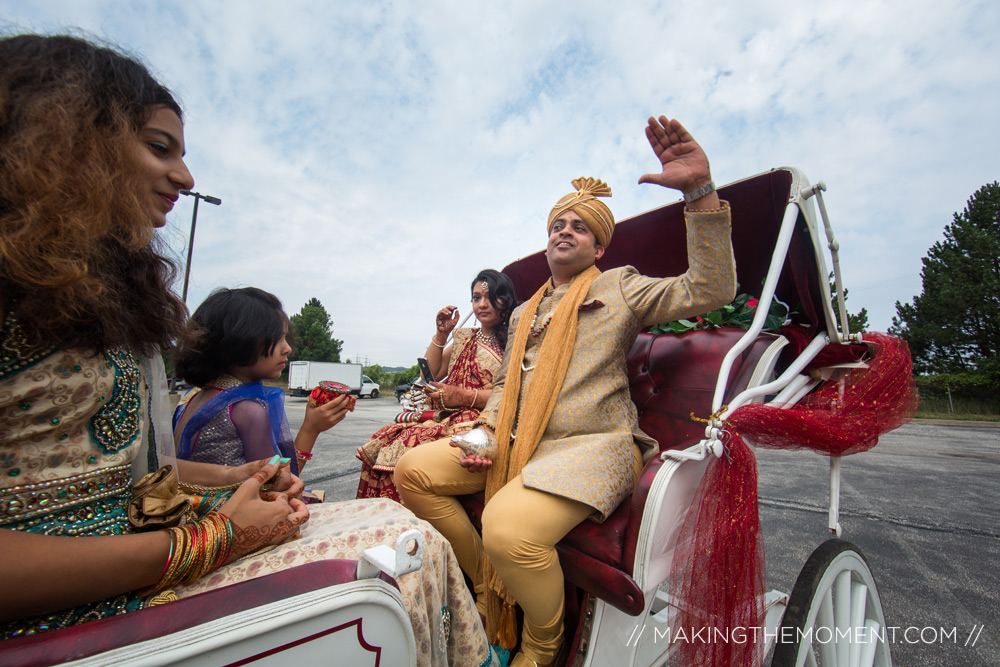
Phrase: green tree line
(389,379)
(953,325)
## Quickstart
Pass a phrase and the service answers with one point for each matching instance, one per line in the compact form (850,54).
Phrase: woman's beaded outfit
(73,424)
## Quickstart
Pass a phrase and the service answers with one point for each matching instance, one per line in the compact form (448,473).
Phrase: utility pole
(194,220)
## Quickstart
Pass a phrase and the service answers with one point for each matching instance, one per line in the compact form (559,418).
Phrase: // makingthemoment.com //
(821,635)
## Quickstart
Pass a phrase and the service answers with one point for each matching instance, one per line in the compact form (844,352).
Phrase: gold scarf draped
(550,371)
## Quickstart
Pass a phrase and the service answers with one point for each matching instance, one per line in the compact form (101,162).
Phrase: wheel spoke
(810,657)
(842,614)
(867,656)
(859,602)
(824,619)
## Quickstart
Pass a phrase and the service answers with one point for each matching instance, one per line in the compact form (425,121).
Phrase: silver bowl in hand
(477,442)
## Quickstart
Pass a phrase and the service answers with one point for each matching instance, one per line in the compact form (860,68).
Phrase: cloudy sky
(375,155)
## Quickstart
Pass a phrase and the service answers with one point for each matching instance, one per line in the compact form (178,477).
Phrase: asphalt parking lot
(922,506)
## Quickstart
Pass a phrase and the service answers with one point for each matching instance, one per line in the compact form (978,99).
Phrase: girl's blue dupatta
(273,398)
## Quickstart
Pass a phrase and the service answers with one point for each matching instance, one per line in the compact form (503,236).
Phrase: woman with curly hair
(91,162)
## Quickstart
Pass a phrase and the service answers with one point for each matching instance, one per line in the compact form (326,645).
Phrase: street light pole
(194,220)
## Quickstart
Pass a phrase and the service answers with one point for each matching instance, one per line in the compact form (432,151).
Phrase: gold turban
(585,203)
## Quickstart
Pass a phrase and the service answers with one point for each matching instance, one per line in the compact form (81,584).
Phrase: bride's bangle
(474,399)
(436,344)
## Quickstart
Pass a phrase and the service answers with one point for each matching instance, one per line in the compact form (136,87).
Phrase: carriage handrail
(844,334)
(760,316)
(782,381)
(785,380)
(797,197)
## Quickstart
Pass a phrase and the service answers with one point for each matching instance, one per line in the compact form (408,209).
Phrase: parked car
(368,387)
(402,389)
(175,385)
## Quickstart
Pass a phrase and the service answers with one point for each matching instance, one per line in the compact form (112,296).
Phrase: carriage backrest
(672,379)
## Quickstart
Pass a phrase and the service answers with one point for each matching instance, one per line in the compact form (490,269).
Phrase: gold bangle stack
(195,550)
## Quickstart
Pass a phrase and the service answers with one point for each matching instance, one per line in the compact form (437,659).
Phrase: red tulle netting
(717,577)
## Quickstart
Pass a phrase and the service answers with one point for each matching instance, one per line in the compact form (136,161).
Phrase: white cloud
(377,154)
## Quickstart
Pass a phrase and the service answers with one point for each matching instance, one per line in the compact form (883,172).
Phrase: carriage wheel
(834,615)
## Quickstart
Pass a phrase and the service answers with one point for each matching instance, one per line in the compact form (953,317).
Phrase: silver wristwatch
(697,194)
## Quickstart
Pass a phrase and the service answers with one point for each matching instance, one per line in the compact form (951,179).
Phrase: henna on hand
(250,538)
(247,539)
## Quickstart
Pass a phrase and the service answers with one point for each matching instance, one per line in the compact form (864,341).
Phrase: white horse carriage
(634,583)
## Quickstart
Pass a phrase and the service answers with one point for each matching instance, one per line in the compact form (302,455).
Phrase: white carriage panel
(666,506)
(620,640)
(775,603)
(359,623)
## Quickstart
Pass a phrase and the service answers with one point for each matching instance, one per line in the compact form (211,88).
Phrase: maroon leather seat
(671,377)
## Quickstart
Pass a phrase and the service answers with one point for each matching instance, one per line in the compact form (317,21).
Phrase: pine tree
(313,334)
(953,326)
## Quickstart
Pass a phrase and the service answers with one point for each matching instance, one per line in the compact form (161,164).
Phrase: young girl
(236,339)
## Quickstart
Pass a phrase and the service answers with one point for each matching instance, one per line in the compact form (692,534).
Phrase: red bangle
(303,455)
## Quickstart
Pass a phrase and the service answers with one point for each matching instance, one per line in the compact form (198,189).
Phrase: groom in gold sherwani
(569,444)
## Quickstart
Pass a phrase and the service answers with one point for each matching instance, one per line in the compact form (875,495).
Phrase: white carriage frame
(614,638)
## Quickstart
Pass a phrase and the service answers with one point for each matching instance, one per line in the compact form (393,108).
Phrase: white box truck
(303,376)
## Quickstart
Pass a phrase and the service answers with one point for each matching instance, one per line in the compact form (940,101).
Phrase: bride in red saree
(472,361)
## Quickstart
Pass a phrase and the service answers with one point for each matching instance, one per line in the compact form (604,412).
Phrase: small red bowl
(327,391)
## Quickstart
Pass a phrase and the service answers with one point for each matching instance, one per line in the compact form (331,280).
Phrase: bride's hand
(447,396)
(446,320)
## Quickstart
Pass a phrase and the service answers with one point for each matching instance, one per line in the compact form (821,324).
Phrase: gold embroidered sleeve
(709,282)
